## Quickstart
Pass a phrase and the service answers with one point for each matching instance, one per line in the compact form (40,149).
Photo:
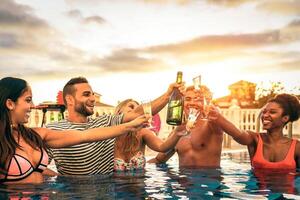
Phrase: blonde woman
(130,148)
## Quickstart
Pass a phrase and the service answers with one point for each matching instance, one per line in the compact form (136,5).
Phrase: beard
(80,108)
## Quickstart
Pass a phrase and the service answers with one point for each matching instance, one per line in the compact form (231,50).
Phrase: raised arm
(58,139)
(240,136)
(157,105)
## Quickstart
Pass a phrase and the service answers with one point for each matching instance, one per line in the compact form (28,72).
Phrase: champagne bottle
(175,105)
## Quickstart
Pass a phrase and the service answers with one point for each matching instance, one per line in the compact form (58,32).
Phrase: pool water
(234,180)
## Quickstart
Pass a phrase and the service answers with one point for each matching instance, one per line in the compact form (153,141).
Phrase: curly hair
(290,105)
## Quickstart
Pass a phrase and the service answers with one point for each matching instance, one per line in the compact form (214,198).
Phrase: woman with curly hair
(269,150)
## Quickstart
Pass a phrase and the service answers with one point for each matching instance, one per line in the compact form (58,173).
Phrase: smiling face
(192,100)
(272,116)
(84,99)
(20,111)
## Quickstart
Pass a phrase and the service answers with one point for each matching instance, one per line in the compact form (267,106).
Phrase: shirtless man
(203,146)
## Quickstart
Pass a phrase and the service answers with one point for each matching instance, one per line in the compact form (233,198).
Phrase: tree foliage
(264,94)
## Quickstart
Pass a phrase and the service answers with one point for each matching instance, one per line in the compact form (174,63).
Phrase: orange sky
(133,48)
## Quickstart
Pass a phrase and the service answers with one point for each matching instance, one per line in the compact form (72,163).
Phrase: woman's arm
(240,136)
(156,144)
(157,105)
(58,139)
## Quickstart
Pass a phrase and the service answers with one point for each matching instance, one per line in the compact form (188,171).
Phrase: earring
(13,127)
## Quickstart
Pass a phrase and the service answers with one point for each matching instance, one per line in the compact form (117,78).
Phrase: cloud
(21,29)
(212,48)
(180,2)
(74,13)
(8,40)
(202,49)
(229,3)
(281,7)
(83,2)
(216,43)
(23,52)
(128,60)
(291,65)
(295,23)
(85,20)
(12,14)
(93,19)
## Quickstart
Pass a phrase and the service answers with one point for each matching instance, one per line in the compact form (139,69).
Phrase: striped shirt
(87,158)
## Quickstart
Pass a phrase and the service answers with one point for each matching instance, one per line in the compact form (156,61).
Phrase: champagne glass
(197,82)
(197,87)
(146,104)
(206,104)
(191,119)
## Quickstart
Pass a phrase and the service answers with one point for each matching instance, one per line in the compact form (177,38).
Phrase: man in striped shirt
(96,157)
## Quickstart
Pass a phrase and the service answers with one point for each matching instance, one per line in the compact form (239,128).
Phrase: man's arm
(156,105)
(162,157)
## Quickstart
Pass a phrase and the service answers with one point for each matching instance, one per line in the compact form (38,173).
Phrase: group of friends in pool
(86,145)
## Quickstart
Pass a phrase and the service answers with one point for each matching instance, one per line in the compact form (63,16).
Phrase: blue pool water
(235,180)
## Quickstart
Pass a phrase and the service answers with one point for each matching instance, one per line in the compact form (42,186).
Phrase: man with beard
(96,157)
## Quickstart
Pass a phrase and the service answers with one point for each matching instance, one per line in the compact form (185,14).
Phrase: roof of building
(241,82)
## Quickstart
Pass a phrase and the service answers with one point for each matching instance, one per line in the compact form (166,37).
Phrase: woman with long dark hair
(22,150)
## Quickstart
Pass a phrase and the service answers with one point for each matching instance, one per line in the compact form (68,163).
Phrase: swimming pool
(235,180)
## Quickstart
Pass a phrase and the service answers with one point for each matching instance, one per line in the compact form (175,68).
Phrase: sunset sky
(133,48)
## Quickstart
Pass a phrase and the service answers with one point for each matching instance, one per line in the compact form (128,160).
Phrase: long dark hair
(12,88)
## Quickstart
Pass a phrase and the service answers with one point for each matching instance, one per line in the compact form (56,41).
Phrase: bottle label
(175,110)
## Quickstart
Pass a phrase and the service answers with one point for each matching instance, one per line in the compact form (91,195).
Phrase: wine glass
(146,104)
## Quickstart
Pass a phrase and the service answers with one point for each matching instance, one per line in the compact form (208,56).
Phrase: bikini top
(20,167)
(136,162)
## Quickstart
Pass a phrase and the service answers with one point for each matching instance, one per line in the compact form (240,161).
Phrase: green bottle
(59,116)
(175,105)
(52,116)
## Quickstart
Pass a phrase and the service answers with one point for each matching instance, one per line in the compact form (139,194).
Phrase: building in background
(242,93)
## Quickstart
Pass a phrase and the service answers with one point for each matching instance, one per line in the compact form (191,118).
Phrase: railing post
(257,128)
(235,116)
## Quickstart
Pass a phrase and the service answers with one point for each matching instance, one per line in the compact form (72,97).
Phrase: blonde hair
(131,143)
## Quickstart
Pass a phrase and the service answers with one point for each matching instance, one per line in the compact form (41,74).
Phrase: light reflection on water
(234,180)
